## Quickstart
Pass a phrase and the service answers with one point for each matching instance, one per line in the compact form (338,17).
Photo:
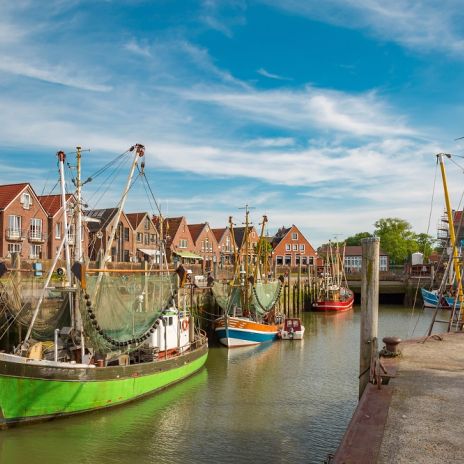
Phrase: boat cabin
(173,333)
(292,325)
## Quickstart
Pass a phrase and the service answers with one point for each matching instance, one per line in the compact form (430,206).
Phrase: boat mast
(457,269)
(247,264)
(78,256)
(61,157)
(139,152)
(259,250)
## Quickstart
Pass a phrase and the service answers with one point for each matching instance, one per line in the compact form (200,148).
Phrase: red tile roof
(135,219)
(195,230)
(52,203)
(171,226)
(9,192)
(218,233)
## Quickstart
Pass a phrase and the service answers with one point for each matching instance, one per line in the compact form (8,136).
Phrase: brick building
(123,247)
(145,237)
(225,245)
(23,222)
(205,244)
(52,205)
(180,247)
(253,239)
(290,246)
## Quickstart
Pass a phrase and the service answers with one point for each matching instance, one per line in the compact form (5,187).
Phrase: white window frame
(58,230)
(26,200)
(294,235)
(295,247)
(14,248)
(302,247)
(288,247)
(14,226)
(35,252)
(35,229)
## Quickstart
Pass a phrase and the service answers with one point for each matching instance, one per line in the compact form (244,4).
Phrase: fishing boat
(331,295)
(433,299)
(96,338)
(292,329)
(248,300)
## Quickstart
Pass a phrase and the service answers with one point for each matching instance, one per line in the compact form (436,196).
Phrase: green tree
(425,244)
(355,240)
(396,238)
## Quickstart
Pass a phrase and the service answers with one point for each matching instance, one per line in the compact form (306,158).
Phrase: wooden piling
(289,290)
(369,307)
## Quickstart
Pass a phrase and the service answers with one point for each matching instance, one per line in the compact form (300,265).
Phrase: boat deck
(417,417)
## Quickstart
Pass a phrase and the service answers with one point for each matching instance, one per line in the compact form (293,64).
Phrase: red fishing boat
(331,295)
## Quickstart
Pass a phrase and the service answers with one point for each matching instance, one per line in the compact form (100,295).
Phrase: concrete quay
(418,416)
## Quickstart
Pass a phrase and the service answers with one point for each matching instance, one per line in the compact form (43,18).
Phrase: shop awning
(187,255)
(147,251)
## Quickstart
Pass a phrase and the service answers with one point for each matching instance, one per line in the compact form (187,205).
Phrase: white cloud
(265,73)
(138,49)
(421,25)
(362,115)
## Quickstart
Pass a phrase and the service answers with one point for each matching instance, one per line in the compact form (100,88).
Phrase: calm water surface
(282,402)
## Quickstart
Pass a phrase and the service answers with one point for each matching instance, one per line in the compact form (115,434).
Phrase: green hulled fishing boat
(96,338)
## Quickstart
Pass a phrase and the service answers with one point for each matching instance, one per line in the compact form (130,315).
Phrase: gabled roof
(171,226)
(195,230)
(52,203)
(136,218)
(219,233)
(239,235)
(9,192)
(280,234)
(105,216)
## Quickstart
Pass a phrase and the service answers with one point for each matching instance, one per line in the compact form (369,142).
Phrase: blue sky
(323,114)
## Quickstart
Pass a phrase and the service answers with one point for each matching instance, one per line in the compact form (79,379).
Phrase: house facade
(290,247)
(52,205)
(145,237)
(23,222)
(240,239)
(225,245)
(179,243)
(205,244)
(353,260)
(100,227)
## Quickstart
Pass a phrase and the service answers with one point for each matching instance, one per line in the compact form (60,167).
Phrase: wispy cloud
(55,75)
(363,114)
(274,142)
(138,49)
(421,25)
(265,73)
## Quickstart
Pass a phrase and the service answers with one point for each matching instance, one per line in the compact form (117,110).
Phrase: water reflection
(288,401)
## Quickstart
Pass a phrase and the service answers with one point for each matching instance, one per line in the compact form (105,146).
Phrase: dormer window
(26,200)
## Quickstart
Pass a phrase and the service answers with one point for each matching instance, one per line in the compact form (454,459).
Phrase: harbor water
(282,402)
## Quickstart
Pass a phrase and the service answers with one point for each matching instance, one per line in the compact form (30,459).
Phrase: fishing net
(227,296)
(19,296)
(121,310)
(265,296)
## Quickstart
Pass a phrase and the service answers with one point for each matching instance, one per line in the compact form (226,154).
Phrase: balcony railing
(36,236)
(15,234)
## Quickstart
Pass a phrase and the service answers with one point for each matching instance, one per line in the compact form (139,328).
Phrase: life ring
(185,324)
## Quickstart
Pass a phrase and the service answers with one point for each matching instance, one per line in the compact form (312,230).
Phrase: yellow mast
(457,269)
(260,245)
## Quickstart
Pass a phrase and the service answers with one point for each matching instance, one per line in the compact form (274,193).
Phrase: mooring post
(289,290)
(299,286)
(369,306)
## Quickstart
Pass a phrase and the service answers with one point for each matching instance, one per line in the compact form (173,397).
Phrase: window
(294,236)
(383,265)
(14,226)
(146,239)
(36,251)
(126,234)
(310,260)
(26,200)
(71,233)
(139,237)
(297,259)
(13,248)
(35,231)
(126,256)
(58,230)
(183,243)
(202,245)
(227,247)
(279,260)
(288,260)
(147,223)
(152,238)
(295,247)
(288,247)
(302,247)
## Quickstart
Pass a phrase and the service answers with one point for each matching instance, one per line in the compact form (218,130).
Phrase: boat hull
(431,300)
(244,332)
(328,305)
(33,392)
